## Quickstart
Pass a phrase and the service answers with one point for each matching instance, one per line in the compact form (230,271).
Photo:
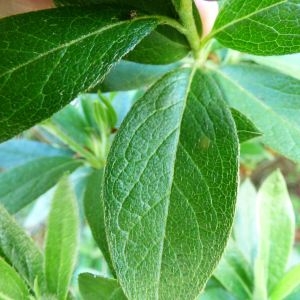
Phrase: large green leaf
(61,240)
(94,212)
(11,285)
(164,7)
(170,188)
(269,99)
(276,227)
(287,284)
(23,184)
(48,57)
(94,287)
(261,27)
(20,250)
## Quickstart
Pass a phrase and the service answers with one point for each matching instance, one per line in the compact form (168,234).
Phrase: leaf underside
(48,57)
(170,202)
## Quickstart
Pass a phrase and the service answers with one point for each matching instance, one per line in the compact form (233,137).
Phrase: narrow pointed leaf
(234,272)
(269,99)
(21,185)
(20,250)
(61,240)
(245,128)
(94,287)
(287,284)
(94,212)
(170,188)
(11,285)
(276,227)
(48,57)
(268,27)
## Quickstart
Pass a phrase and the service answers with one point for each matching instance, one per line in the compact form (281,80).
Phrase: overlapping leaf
(261,27)
(48,57)
(170,188)
(269,99)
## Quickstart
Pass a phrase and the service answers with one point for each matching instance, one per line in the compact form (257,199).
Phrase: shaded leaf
(11,285)
(167,212)
(94,287)
(269,99)
(61,240)
(268,27)
(21,185)
(245,128)
(20,250)
(94,212)
(49,56)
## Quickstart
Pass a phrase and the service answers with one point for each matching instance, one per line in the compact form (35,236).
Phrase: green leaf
(244,229)
(287,284)
(127,75)
(49,56)
(276,227)
(168,217)
(245,128)
(23,184)
(163,46)
(94,287)
(164,7)
(11,285)
(234,272)
(269,99)
(61,240)
(216,294)
(94,212)
(268,27)
(287,64)
(20,250)
(20,151)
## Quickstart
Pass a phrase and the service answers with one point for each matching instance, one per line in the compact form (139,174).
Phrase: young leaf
(268,27)
(269,99)
(168,216)
(94,212)
(287,284)
(234,272)
(21,185)
(94,287)
(61,240)
(276,226)
(49,56)
(246,130)
(20,151)
(11,285)
(20,250)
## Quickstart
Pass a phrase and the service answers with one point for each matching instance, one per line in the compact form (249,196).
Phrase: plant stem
(185,12)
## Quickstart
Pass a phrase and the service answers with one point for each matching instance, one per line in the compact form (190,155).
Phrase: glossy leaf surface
(61,240)
(269,99)
(94,287)
(168,215)
(49,56)
(20,250)
(21,185)
(261,27)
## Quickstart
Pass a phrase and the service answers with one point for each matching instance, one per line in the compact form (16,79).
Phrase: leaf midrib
(70,43)
(222,28)
(191,75)
(252,96)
